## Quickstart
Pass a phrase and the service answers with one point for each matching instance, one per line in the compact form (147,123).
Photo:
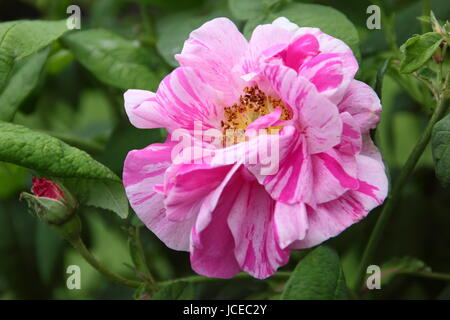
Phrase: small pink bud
(50,201)
(46,188)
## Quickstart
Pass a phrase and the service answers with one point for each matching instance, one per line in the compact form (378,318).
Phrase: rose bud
(50,201)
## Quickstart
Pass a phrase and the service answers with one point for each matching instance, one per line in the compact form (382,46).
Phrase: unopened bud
(53,204)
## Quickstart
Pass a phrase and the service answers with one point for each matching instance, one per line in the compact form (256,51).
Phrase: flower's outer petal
(340,73)
(212,244)
(143,110)
(291,222)
(284,23)
(257,248)
(334,173)
(215,51)
(143,169)
(363,104)
(329,44)
(184,98)
(316,116)
(369,149)
(331,218)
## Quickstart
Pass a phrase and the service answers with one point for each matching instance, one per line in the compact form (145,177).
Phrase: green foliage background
(69,86)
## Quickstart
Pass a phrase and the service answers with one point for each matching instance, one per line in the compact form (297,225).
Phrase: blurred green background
(70,103)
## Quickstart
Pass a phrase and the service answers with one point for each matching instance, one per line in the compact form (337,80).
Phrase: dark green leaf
(418,50)
(112,59)
(103,194)
(94,183)
(24,77)
(19,39)
(179,290)
(440,143)
(327,19)
(318,276)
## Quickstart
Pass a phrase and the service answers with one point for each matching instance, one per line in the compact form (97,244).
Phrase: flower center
(253,104)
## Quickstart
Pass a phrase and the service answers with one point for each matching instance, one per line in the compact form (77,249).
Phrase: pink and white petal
(300,51)
(369,149)
(327,73)
(334,173)
(143,170)
(291,222)
(266,41)
(212,244)
(187,189)
(313,114)
(331,218)
(329,44)
(144,111)
(293,180)
(284,23)
(351,142)
(257,248)
(363,104)
(184,97)
(212,249)
(215,51)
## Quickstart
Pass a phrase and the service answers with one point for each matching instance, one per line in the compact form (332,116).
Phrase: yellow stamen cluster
(253,104)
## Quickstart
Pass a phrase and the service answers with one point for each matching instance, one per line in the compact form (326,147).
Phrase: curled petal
(143,110)
(363,104)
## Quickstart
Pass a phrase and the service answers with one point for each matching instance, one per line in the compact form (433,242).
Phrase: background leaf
(418,50)
(54,158)
(24,77)
(19,39)
(250,9)
(318,276)
(112,59)
(440,142)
